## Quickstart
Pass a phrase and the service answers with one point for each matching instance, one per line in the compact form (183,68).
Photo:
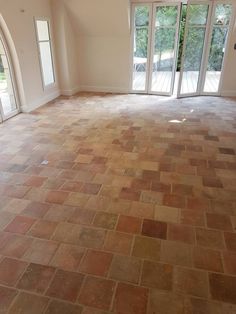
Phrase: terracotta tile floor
(119,204)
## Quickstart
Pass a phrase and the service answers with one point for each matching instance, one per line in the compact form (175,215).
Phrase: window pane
(166,16)
(163,61)
(140,47)
(140,58)
(198,14)
(223,14)
(43,31)
(141,16)
(47,65)
(195,39)
(192,60)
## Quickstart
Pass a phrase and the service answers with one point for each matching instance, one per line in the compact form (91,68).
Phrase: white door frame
(230,28)
(207,26)
(155,6)
(3,116)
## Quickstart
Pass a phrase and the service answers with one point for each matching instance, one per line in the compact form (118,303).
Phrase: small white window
(45,50)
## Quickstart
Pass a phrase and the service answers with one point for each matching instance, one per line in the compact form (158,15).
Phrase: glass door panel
(8,105)
(195,33)
(217,44)
(164,48)
(141,29)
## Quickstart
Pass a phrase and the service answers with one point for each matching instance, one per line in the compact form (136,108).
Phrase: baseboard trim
(70,92)
(228,93)
(40,102)
(104,89)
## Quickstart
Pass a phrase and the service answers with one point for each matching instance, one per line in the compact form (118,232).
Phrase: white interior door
(197,25)
(164,48)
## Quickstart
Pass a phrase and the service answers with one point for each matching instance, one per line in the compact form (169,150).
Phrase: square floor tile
(154,229)
(43,229)
(36,278)
(129,224)
(181,233)
(157,275)
(40,251)
(105,220)
(147,248)
(96,263)
(209,238)
(36,209)
(28,304)
(165,302)
(11,270)
(70,288)
(223,288)
(191,281)
(130,299)
(118,242)
(68,257)
(7,295)
(20,224)
(176,253)
(125,268)
(58,307)
(207,259)
(97,293)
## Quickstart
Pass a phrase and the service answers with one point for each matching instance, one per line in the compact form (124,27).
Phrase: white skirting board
(228,93)
(41,101)
(70,92)
(84,88)
(104,89)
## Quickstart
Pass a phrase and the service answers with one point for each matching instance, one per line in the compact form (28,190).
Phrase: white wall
(102,33)
(67,54)
(104,63)
(229,78)
(19,18)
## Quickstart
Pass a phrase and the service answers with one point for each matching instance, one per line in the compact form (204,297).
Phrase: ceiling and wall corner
(102,32)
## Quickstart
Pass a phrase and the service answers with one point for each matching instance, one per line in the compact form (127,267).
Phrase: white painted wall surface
(19,17)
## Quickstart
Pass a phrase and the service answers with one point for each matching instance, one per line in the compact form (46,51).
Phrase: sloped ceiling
(99,17)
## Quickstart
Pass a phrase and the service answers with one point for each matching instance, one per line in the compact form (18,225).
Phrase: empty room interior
(117,157)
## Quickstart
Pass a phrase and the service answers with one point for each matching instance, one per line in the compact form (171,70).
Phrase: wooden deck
(162,82)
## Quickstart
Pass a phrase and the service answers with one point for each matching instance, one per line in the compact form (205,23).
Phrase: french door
(205,43)
(8,99)
(155,45)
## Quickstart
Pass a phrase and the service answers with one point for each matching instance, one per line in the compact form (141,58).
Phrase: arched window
(8,98)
